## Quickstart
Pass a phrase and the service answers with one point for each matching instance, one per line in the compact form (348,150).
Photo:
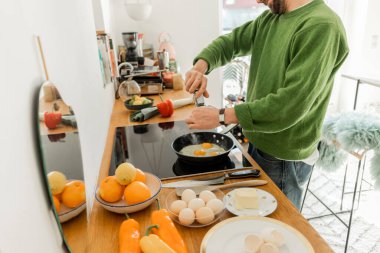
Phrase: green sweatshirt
(294,57)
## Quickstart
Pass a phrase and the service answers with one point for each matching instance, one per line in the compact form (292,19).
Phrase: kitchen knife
(199,189)
(214,180)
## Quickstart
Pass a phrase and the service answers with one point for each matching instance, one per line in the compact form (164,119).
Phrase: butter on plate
(246,198)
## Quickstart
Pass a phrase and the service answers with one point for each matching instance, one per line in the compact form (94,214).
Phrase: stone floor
(365,230)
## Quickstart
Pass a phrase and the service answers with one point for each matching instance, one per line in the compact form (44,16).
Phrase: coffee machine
(149,83)
(130,42)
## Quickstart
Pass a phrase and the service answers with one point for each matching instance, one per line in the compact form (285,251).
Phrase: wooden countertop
(120,115)
(103,225)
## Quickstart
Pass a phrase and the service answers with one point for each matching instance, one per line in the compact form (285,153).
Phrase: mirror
(62,159)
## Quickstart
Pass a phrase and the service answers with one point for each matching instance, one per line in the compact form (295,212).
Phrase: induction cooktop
(149,148)
(57,148)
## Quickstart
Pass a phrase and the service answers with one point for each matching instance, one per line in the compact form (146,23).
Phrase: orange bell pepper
(129,237)
(167,231)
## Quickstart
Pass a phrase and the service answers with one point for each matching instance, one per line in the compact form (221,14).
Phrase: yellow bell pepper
(153,244)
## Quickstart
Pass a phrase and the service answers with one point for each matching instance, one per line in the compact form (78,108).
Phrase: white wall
(362,23)
(371,41)
(192,24)
(67,32)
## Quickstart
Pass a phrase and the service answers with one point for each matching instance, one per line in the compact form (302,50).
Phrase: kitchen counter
(103,225)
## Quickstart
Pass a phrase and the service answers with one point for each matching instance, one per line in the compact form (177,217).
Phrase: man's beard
(278,7)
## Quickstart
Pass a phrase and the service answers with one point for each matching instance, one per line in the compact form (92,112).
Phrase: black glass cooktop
(57,148)
(149,148)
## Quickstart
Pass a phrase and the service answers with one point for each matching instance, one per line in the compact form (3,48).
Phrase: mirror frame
(42,165)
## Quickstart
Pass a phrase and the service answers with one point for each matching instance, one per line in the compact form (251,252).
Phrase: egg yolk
(206,145)
(200,152)
(214,153)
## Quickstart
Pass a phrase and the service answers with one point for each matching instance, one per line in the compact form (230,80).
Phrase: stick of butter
(246,198)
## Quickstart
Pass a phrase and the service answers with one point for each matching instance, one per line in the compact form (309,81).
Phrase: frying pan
(195,138)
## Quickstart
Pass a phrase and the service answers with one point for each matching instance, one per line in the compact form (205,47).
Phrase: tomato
(166,109)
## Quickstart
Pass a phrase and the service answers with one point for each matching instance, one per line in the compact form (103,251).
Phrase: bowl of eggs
(191,210)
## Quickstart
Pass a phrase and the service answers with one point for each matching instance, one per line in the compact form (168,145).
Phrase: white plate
(228,236)
(267,204)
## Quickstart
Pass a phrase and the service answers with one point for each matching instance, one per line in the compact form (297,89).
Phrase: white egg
(206,195)
(273,236)
(188,195)
(269,248)
(216,205)
(196,203)
(186,216)
(177,206)
(204,215)
(252,243)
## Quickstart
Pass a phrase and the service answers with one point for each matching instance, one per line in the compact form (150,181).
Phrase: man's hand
(205,117)
(195,79)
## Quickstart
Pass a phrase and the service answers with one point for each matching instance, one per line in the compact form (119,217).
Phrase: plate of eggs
(191,210)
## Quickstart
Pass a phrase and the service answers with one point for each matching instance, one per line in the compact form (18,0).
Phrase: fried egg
(206,145)
(204,149)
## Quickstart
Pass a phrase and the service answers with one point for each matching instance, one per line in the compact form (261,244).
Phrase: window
(235,74)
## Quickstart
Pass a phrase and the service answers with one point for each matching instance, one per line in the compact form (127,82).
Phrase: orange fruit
(140,176)
(58,196)
(110,190)
(57,204)
(136,192)
(73,194)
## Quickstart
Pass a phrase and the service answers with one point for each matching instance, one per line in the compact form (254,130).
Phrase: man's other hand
(205,117)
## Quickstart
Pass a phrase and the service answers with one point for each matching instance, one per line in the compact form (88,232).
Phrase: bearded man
(296,47)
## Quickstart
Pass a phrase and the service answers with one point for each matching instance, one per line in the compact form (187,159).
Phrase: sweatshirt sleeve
(315,55)
(227,47)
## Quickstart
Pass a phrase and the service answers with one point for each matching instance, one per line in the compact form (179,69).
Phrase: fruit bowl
(153,183)
(172,196)
(67,213)
(74,209)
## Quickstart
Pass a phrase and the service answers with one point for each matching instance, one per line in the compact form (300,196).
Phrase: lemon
(125,173)
(57,181)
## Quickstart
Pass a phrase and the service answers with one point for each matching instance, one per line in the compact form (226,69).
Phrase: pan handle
(228,128)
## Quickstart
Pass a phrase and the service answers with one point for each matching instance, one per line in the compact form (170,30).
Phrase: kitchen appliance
(203,137)
(163,60)
(148,79)
(148,147)
(130,42)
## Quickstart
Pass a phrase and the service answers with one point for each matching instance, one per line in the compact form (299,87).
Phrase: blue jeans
(290,176)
